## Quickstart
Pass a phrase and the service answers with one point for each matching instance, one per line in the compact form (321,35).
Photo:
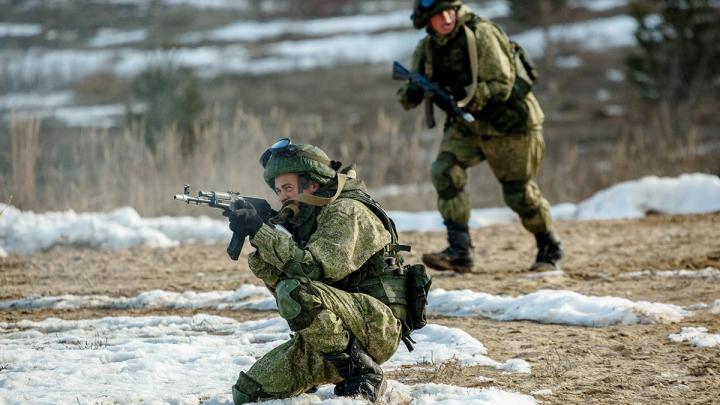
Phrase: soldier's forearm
(281,252)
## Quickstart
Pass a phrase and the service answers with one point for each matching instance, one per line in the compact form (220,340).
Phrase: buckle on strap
(399,248)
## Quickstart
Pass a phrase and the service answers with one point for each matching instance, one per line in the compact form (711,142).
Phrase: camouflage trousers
(328,317)
(514,160)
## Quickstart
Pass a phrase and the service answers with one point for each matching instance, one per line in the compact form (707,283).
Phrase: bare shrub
(98,170)
(558,365)
(25,149)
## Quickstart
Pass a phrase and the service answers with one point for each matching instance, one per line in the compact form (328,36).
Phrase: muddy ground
(635,364)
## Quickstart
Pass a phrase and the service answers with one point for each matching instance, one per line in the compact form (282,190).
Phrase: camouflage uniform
(316,277)
(513,155)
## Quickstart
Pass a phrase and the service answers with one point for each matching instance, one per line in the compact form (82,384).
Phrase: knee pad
(297,312)
(448,177)
(518,196)
(287,298)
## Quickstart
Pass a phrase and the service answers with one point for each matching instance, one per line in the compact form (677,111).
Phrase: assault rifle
(228,200)
(434,92)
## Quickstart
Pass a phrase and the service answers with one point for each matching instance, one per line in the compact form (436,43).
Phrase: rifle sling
(472,52)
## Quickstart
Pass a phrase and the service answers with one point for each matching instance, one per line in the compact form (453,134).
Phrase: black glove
(414,94)
(510,118)
(244,220)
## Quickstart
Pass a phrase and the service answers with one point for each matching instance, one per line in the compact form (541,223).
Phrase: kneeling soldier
(338,281)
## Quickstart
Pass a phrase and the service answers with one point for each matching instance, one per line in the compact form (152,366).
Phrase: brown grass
(24,152)
(98,170)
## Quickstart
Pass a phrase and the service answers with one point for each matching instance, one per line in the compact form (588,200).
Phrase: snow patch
(546,306)
(598,5)
(552,306)
(8,29)
(106,37)
(696,336)
(28,232)
(708,272)
(247,296)
(185,360)
(596,35)
(686,194)
(19,101)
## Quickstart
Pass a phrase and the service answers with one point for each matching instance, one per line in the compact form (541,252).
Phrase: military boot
(549,252)
(247,390)
(362,377)
(456,257)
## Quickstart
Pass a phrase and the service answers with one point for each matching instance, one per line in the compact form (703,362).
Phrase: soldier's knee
(293,306)
(519,197)
(247,390)
(448,177)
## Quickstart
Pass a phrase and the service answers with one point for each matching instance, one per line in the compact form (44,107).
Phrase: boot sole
(541,267)
(445,265)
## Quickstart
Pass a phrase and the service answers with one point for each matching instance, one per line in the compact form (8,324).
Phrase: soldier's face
(444,22)
(287,187)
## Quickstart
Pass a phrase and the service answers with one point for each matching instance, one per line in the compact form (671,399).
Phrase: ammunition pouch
(418,287)
(510,116)
(405,293)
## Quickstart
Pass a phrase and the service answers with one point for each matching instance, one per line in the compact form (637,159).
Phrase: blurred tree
(678,63)
(534,12)
(173,104)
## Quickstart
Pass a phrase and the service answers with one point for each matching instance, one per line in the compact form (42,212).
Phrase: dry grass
(24,153)
(98,170)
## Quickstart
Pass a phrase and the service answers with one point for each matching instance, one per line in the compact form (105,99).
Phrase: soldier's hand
(444,103)
(414,94)
(244,220)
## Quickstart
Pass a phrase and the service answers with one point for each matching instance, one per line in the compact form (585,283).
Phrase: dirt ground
(635,364)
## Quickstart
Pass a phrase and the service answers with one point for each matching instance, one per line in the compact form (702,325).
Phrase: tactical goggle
(283,147)
(427,3)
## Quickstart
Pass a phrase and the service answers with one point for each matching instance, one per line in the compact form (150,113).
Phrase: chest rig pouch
(508,116)
(403,288)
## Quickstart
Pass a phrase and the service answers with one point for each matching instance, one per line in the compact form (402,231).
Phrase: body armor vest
(382,275)
(451,65)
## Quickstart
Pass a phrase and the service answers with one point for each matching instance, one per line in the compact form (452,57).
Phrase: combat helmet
(286,157)
(424,9)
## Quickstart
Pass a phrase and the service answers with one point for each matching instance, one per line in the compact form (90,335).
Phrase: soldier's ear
(312,187)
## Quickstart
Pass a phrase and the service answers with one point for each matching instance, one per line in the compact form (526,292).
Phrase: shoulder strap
(428,58)
(473,55)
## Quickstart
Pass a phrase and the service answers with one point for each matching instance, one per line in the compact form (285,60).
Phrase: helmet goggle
(427,3)
(282,147)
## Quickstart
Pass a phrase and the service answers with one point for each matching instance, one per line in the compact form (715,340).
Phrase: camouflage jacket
(345,235)
(450,67)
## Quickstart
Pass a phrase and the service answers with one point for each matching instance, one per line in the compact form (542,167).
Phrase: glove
(414,94)
(510,118)
(244,220)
